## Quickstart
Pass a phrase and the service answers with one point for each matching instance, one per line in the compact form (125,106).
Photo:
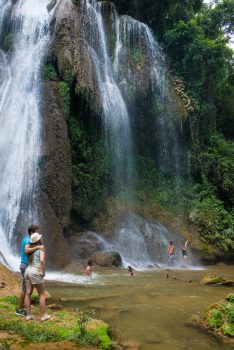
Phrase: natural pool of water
(153,307)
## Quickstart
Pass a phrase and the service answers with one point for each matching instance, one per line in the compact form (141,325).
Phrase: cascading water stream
(134,35)
(135,38)
(116,121)
(20,117)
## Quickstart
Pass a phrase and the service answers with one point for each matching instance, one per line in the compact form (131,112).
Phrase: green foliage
(215,318)
(230,312)
(199,53)
(215,163)
(64,91)
(220,317)
(103,335)
(89,161)
(8,42)
(228,329)
(230,298)
(136,55)
(82,320)
(66,72)
(10,299)
(160,185)
(162,15)
(215,223)
(49,72)
(63,325)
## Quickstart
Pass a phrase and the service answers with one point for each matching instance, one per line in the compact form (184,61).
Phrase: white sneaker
(29,317)
(45,318)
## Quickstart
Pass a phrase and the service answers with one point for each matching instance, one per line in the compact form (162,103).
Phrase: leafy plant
(49,72)
(83,319)
(64,91)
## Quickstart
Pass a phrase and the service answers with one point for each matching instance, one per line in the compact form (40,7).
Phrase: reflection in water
(151,309)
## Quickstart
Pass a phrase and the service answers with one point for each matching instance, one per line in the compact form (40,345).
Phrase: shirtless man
(171,253)
(88,269)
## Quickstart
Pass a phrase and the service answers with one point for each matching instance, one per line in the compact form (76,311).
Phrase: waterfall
(116,120)
(20,117)
(135,41)
(127,60)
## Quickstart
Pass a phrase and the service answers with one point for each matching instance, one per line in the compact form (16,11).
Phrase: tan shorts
(34,274)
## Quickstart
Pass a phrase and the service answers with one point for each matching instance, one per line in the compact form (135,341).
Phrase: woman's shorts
(34,274)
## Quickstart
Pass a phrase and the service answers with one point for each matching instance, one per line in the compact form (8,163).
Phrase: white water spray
(20,117)
(117,129)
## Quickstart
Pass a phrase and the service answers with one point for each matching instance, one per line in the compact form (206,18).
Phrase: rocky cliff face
(55,182)
(68,49)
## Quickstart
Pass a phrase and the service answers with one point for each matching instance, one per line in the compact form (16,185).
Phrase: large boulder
(83,245)
(218,320)
(10,282)
(107,259)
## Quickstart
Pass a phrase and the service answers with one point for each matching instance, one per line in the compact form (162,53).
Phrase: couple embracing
(32,268)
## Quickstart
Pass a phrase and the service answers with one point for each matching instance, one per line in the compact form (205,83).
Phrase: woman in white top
(34,275)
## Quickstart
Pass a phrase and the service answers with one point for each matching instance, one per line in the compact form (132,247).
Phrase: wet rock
(55,307)
(2,284)
(107,259)
(219,319)
(69,51)
(230,297)
(83,245)
(54,197)
(214,280)
(51,5)
(10,282)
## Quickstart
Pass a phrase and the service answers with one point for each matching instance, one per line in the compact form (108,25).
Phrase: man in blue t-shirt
(25,250)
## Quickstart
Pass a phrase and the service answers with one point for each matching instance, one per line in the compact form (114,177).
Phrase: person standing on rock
(34,275)
(25,250)
(184,253)
(171,253)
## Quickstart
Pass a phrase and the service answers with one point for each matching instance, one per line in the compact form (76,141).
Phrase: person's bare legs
(185,261)
(29,289)
(21,300)
(41,293)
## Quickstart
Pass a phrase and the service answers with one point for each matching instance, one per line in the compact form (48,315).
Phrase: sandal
(29,317)
(45,318)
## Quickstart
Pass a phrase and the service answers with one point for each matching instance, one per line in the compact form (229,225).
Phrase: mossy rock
(217,281)
(230,297)
(64,325)
(219,319)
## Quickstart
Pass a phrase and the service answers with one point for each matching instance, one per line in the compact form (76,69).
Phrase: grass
(64,326)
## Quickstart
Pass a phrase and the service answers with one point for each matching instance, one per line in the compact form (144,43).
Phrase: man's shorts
(22,270)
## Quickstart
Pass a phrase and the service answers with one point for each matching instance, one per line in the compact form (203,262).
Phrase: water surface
(150,308)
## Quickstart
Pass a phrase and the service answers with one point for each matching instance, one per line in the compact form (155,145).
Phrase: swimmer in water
(88,269)
(130,271)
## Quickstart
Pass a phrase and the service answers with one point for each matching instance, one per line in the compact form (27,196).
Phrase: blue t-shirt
(24,256)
